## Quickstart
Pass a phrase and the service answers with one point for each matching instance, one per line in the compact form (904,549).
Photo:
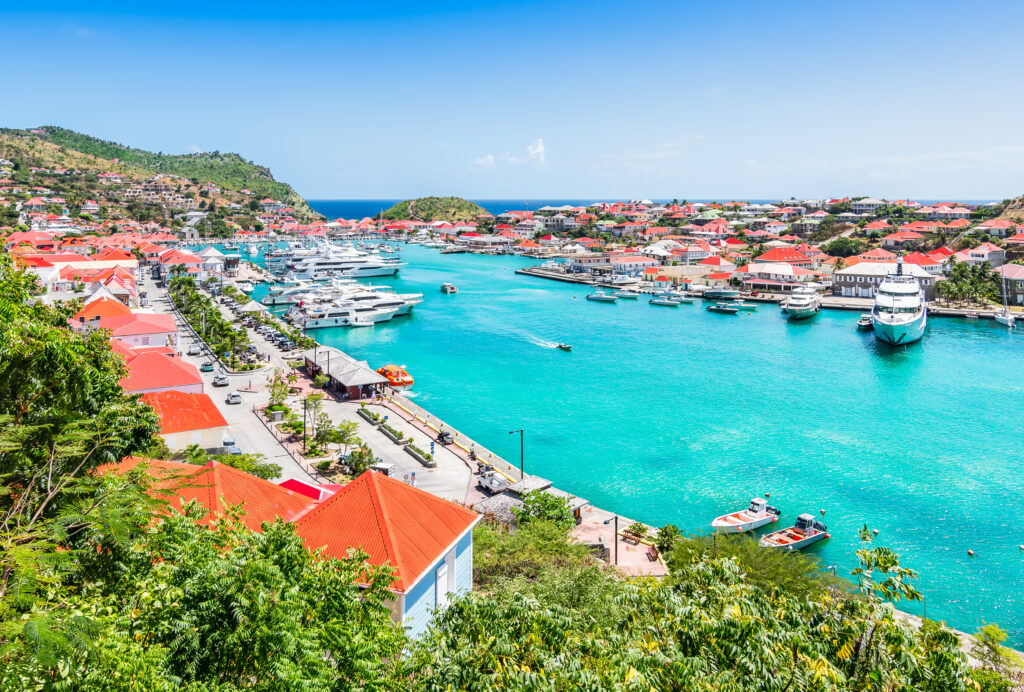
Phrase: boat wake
(543,343)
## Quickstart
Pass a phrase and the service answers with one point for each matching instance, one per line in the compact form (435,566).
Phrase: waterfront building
(1012,276)
(862,279)
(354,378)
(776,277)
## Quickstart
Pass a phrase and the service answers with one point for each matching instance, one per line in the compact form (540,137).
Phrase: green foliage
(228,171)
(988,648)
(843,247)
(250,463)
(435,209)
(668,536)
(538,505)
(991,681)
(637,529)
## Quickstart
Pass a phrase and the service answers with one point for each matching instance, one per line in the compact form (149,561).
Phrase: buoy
(970,552)
(828,535)
(874,531)
(822,512)
(767,495)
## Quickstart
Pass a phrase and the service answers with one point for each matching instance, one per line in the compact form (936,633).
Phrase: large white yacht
(900,314)
(338,313)
(351,264)
(805,301)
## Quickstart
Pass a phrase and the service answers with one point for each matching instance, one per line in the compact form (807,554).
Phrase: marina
(613,440)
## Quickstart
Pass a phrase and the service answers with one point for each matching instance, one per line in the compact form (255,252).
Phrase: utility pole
(303,426)
(615,539)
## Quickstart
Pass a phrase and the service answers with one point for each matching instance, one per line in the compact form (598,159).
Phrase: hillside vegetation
(451,209)
(58,147)
(1014,210)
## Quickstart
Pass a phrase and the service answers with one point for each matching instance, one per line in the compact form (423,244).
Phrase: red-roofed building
(149,371)
(877,255)
(215,486)
(785,254)
(187,419)
(101,308)
(138,329)
(428,541)
(900,239)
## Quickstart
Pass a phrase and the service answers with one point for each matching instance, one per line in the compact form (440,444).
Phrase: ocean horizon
(358,208)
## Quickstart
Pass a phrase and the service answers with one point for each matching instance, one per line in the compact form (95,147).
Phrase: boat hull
(801,313)
(902,333)
(724,525)
(767,541)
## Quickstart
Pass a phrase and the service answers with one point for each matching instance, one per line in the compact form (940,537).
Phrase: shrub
(545,507)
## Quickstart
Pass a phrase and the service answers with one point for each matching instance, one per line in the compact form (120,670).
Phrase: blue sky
(545,100)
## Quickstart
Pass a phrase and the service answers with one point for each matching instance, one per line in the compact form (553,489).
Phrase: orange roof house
(188,418)
(101,308)
(149,371)
(427,540)
(216,486)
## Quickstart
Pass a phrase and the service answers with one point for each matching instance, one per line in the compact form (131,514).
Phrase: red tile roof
(102,308)
(392,521)
(215,486)
(144,323)
(149,371)
(183,412)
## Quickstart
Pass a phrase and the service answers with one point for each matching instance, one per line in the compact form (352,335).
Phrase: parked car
(206,367)
(233,398)
(220,381)
(492,483)
(194,350)
(230,447)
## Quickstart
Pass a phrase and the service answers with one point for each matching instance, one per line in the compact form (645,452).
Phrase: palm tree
(840,263)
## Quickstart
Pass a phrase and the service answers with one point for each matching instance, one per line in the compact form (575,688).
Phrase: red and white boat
(753,517)
(396,376)
(805,532)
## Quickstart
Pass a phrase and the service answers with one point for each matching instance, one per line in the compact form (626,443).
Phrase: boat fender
(828,535)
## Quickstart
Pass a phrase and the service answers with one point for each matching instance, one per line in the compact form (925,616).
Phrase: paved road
(451,478)
(249,433)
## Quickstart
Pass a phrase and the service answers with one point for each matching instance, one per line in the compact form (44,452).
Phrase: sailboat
(1005,316)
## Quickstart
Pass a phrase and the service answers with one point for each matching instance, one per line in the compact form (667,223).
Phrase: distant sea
(358,208)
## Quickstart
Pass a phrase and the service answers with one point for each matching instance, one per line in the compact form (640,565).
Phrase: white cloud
(193,149)
(536,151)
(483,161)
(514,160)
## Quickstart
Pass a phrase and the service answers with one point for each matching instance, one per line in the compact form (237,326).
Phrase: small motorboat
(744,305)
(1005,317)
(449,288)
(564,347)
(666,302)
(806,531)
(396,376)
(724,309)
(866,322)
(626,295)
(753,517)
(602,297)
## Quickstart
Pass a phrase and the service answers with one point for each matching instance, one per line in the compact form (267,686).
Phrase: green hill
(54,146)
(451,209)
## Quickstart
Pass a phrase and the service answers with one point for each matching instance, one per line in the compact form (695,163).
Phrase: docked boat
(804,302)
(449,288)
(626,295)
(744,306)
(1005,317)
(564,347)
(720,294)
(900,314)
(602,297)
(245,287)
(865,323)
(677,296)
(724,309)
(806,531)
(396,376)
(666,302)
(756,515)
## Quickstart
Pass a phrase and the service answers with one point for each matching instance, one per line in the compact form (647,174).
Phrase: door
(441,585)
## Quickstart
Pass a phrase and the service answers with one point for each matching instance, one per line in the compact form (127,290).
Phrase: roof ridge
(383,516)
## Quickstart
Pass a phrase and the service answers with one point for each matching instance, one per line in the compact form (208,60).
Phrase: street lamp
(522,474)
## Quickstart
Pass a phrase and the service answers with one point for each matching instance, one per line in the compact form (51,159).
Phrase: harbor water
(679,415)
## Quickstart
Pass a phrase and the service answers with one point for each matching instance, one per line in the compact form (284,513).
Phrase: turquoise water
(678,415)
